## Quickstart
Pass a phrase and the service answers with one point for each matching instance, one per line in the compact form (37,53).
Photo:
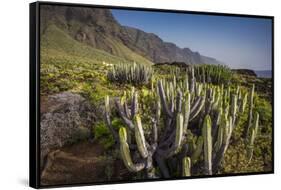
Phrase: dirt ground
(84,162)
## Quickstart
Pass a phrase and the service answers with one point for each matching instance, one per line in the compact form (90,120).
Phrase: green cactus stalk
(158,110)
(197,111)
(134,104)
(244,102)
(186,167)
(125,153)
(193,81)
(139,135)
(179,132)
(198,149)
(163,99)
(108,121)
(207,136)
(250,113)
(220,135)
(252,136)
(186,110)
(233,107)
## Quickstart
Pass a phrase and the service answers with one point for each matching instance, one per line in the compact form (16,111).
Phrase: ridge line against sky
(240,42)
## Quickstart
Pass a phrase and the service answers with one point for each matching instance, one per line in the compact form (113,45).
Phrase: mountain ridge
(98,28)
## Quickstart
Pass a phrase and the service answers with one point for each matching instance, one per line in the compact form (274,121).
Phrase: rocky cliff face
(98,28)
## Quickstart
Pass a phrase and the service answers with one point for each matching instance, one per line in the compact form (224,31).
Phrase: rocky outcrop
(179,64)
(65,118)
(245,72)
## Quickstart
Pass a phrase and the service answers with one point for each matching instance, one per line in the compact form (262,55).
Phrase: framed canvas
(120,94)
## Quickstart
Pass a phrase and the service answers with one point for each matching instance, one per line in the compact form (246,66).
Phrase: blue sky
(239,42)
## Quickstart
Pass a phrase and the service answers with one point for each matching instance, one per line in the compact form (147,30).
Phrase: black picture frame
(34,91)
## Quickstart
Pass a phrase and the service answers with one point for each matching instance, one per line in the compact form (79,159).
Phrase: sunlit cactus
(207,137)
(244,102)
(179,131)
(192,122)
(186,167)
(136,74)
(216,74)
(252,136)
(250,112)
(233,108)
(139,135)
(125,152)
(198,149)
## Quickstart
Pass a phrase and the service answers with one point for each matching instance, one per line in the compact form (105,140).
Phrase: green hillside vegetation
(54,38)
(67,64)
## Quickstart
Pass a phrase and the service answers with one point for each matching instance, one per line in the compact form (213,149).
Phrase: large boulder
(65,118)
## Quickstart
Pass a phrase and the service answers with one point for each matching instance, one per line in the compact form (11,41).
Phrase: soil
(84,162)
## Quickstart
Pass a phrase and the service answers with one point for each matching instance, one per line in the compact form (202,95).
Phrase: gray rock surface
(65,118)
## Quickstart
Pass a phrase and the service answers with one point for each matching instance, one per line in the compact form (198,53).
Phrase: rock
(245,72)
(65,118)
(179,64)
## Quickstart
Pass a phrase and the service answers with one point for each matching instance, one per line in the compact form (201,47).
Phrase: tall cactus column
(108,120)
(183,135)
(250,113)
(251,138)
(125,153)
(207,137)
(133,125)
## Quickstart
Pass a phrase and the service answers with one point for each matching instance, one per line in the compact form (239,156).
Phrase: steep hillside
(69,65)
(151,46)
(51,17)
(56,43)
(99,29)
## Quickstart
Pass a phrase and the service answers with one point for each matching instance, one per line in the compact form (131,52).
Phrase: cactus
(207,137)
(136,74)
(250,112)
(108,121)
(198,149)
(125,152)
(216,74)
(244,102)
(233,107)
(179,131)
(186,166)
(140,137)
(179,112)
(186,110)
(252,136)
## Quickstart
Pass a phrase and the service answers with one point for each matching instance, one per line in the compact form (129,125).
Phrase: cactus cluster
(190,131)
(215,74)
(136,74)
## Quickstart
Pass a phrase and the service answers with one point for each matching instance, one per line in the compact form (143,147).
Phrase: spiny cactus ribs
(136,74)
(191,127)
